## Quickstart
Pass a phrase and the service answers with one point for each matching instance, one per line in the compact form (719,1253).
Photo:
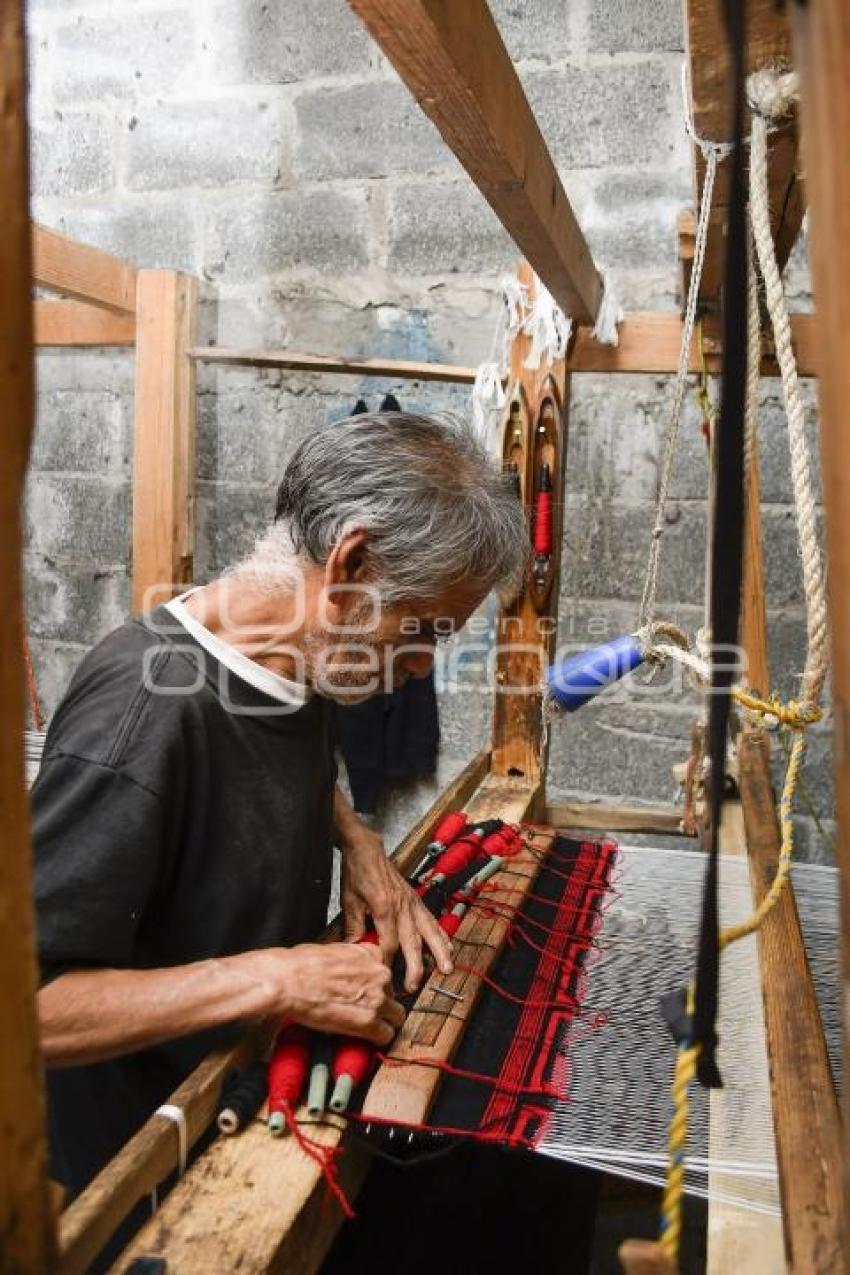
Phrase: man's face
(379,649)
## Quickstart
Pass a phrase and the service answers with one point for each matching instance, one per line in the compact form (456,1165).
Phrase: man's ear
(345,569)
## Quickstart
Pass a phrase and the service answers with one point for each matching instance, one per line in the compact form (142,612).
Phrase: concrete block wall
(270,150)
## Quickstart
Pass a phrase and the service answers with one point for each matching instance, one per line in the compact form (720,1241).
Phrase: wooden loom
(253,1202)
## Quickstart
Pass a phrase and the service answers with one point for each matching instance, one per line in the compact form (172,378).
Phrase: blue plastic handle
(575,681)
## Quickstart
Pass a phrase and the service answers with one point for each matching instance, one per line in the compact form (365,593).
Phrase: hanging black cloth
(391,737)
(726,546)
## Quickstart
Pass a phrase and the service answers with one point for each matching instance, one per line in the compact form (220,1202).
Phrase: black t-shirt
(179,814)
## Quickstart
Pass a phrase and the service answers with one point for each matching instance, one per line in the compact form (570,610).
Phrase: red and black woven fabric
(517,1041)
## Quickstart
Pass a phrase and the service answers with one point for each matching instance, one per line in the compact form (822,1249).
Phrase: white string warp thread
(610,313)
(488,394)
(548,327)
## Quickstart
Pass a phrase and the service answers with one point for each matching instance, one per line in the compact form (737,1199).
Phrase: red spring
(543,525)
(288,1067)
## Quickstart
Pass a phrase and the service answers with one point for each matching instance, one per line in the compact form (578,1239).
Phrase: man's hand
(372,885)
(337,988)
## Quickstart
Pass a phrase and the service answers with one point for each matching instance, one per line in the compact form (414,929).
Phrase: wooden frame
(164,446)
(709,80)
(821,48)
(26,1222)
(484,116)
(453,60)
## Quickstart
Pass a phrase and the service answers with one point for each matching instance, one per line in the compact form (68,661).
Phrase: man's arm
(90,1015)
(372,885)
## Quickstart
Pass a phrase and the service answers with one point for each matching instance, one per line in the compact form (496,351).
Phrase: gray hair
(437,509)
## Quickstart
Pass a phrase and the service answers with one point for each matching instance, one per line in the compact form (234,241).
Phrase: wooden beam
(145,1160)
(739,1238)
(805,1109)
(77,323)
(164,451)
(822,50)
(80,271)
(665,820)
(151,1155)
(453,60)
(650,341)
(710,76)
(435,1026)
(26,1222)
(527,626)
(295,361)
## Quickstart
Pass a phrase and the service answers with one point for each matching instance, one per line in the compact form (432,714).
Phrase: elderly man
(186,808)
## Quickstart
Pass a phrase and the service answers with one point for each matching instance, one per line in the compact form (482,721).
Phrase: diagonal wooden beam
(452,58)
(80,271)
(768,44)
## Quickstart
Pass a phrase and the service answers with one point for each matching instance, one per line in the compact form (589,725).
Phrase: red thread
(457,857)
(543,524)
(353,1057)
(479,1077)
(321,1155)
(450,923)
(288,1067)
(509,996)
(449,828)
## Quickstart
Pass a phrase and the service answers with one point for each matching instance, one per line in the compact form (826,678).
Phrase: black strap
(727,544)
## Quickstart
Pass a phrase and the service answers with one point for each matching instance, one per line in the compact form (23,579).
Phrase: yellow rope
(797,717)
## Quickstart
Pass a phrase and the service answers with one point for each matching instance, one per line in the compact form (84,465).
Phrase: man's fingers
(387,927)
(437,940)
(411,946)
(393,1013)
(354,918)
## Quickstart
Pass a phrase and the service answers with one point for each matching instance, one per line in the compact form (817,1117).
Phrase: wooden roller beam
(453,60)
(710,77)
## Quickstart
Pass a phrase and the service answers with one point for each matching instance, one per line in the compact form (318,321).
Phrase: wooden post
(164,454)
(805,1109)
(26,1229)
(822,48)
(526,633)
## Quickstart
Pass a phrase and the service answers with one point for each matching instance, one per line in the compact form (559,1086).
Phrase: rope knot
(772,93)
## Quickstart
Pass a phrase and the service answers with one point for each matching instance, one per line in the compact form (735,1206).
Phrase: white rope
(771,95)
(706,145)
(650,588)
